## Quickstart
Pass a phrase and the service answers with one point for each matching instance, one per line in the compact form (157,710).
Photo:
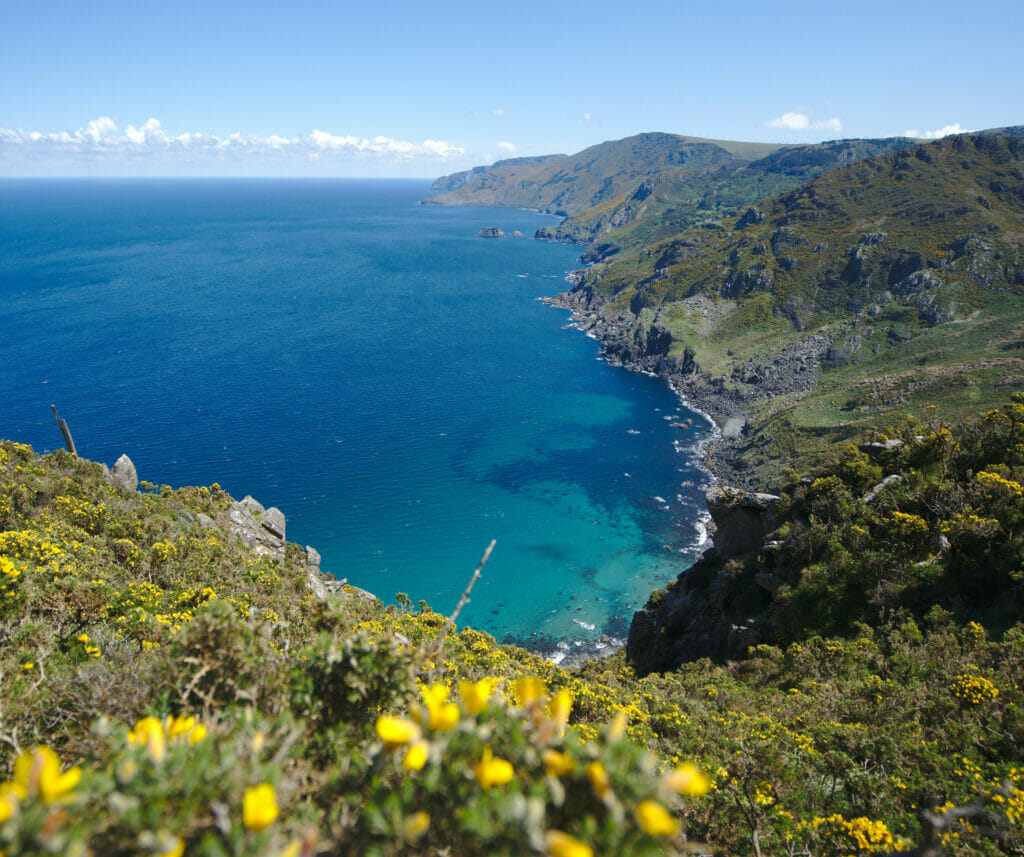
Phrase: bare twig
(435,650)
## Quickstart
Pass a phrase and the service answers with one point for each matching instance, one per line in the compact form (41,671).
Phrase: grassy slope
(804,263)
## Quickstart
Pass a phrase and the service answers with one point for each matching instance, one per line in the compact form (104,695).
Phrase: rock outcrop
(258,528)
(490,232)
(695,616)
(742,519)
(123,475)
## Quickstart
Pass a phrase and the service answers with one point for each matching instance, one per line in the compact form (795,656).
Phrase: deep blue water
(368,365)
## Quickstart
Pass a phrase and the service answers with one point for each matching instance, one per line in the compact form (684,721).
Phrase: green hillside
(567,185)
(891,284)
(167,690)
(675,199)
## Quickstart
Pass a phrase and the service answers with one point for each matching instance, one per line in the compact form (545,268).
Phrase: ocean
(370,366)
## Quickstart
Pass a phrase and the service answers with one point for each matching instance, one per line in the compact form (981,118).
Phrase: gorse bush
(166,692)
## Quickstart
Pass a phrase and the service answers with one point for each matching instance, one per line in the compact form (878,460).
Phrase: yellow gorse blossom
(599,781)
(490,771)
(441,715)
(259,807)
(617,727)
(174,845)
(560,844)
(687,780)
(187,727)
(529,689)
(39,773)
(416,825)
(9,800)
(149,733)
(475,694)
(416,756)
(557,763)
(654,819)
(560,707)
(396,731)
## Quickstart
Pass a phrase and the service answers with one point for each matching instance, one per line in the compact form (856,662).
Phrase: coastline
(725,410)
(717,455)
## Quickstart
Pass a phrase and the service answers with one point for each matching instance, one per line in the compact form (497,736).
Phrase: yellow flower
(149,733)
(416,756)
(529,689)
(416,825)
(617,727)
(293,848)
(654,819)
(560,707)
(28,665)
(475,694)
(396,731)
(490,771)
(558,764)
(259,806)
(9,799)
(561,844)
(197,734)
(441,714)
(599,781)
(175,726)
(175,846)
(38,773)
(687,780)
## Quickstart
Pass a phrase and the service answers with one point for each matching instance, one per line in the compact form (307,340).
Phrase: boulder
(274,522)
(888,482)
(490,232)
(879,447)
(123,474)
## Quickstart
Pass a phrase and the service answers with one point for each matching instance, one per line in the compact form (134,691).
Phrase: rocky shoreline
(623,345)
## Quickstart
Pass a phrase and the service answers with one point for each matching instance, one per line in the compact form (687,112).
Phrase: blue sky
(107,87)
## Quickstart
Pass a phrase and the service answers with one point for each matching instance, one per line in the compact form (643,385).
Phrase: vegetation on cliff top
(194,698)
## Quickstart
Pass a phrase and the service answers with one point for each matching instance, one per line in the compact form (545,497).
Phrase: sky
(396,88)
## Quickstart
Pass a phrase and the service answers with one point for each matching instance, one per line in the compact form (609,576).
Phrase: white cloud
(941,132)
(802,122)
(498,111)
(587,117)
(102,138)
(507,147)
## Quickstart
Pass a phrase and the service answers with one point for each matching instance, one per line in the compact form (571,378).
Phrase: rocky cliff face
(704,612)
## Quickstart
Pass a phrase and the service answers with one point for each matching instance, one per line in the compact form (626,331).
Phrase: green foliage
(259,720)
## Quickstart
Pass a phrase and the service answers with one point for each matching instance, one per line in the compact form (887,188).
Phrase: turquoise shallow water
(366,364)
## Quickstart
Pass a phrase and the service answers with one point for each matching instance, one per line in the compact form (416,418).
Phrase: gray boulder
(123,474)
(889,481)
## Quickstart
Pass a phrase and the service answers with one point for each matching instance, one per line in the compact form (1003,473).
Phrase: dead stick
(464,600)
(64,430)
